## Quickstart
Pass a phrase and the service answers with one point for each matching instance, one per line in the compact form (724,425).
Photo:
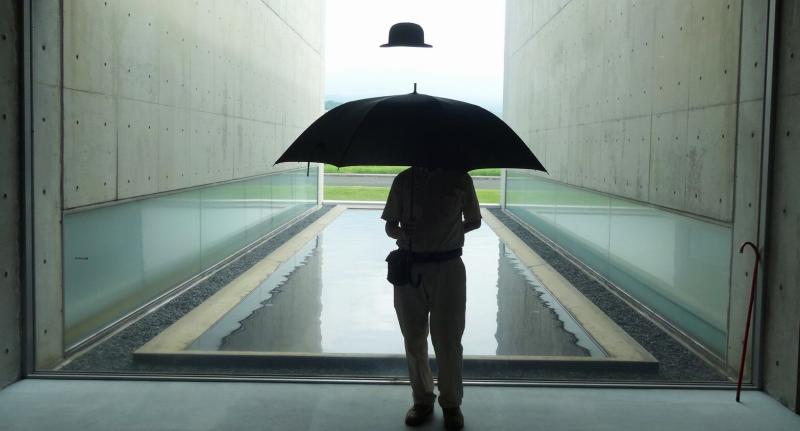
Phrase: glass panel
(102,267)
(677,266)
(117,258)
(222,222)
(170,240)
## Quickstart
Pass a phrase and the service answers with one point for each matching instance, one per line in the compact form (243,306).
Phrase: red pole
(749,316)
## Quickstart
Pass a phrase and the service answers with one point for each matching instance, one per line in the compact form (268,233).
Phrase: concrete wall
(619,96)
(656,101)
(163,95)
(10,351)
(782,326)
(47,202)
(148,96)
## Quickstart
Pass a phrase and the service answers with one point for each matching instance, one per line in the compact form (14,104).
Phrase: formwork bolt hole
(129,126)
(148,24)
(698,137)
(129,181)
(77,122)
(4,37)
(791,55)
(788,133)
(129,14)
(44,48)
(5,195)
(681,28)
(723,136)
(701,77)
(105,123)
(77,56)
(749,205)
(7,351)
(77,187)
(44,192)
(720,200)
(129,70)
(746,274)
(5,274)
(780,286)
(755,64)
(105,64)
(45,331)
(702,18)
(105,183)
(105,3)
(679,83)
(783,211)
(5,116)
(777,363)
(752,134)
(148,178)
(44,261)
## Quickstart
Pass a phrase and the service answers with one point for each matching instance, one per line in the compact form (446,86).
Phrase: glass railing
(119,257)
(676,265)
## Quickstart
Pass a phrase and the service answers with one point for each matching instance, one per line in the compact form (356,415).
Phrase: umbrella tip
(415,88)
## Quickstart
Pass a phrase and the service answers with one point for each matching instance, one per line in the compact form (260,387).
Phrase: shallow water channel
(333,297)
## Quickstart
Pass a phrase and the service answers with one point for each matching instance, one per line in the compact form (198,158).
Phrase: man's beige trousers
(442,294)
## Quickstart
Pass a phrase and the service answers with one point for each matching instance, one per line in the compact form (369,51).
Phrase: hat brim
(390,45)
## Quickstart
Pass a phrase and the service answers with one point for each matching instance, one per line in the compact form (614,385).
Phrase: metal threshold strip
(266,378)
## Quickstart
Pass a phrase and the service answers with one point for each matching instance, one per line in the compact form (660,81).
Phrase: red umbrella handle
(749,316)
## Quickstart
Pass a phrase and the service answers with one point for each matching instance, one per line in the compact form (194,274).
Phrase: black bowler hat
(406,34)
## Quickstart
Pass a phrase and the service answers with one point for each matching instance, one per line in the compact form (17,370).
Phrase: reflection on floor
(332,298)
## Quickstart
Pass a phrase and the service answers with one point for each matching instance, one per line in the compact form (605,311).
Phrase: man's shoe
(418,414)
(453,419)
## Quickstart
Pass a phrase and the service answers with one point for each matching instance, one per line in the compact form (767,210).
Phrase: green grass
(394,170)
(379,194)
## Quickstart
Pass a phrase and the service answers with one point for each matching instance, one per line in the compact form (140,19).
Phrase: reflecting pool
(333,297)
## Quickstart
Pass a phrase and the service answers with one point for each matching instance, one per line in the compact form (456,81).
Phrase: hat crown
(406,34)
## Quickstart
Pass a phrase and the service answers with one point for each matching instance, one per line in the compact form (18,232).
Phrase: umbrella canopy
(411,130)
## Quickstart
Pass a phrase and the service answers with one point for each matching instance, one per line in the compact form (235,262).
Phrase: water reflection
(291,314)
(332,297)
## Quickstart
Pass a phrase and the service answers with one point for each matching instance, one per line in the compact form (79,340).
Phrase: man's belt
(435,257)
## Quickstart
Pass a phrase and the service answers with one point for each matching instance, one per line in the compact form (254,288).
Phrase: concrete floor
(137,405)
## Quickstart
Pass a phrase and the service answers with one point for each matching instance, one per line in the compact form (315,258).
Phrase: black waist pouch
(399,267)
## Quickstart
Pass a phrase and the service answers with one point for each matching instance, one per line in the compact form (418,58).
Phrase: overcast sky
(466,61)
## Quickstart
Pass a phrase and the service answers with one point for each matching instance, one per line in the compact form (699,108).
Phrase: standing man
(428,212)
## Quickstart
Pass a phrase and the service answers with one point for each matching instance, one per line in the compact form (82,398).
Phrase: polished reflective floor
(332,297)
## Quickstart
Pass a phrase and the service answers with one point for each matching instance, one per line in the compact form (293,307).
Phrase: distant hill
(330,104)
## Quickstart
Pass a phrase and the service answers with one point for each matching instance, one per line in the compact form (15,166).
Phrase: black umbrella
(411,130)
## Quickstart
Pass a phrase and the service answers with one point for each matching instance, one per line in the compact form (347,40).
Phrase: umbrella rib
(355,130)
